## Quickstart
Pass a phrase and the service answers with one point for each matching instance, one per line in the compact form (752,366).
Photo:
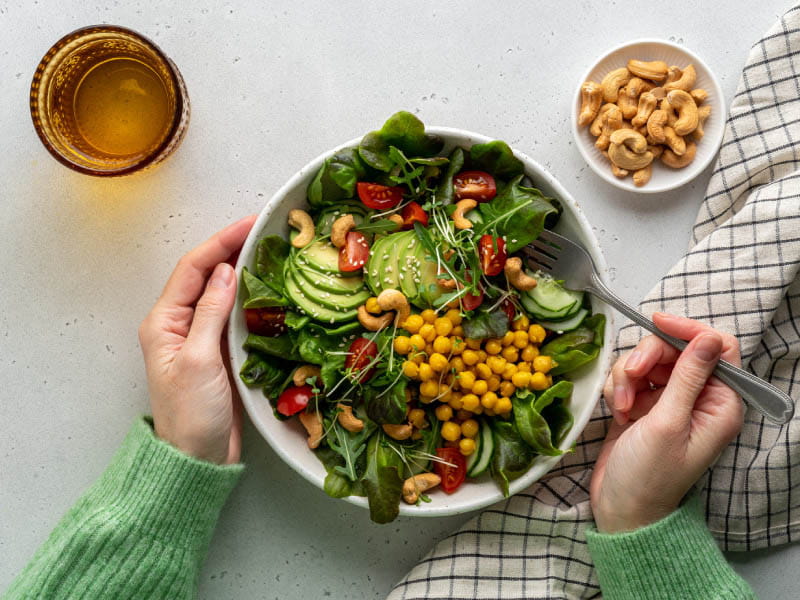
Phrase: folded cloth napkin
(740,276)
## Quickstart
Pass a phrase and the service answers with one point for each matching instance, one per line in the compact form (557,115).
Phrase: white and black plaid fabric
(740,275)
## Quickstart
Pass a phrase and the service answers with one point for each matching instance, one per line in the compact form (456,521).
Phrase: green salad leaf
(259,294)
(337,485)
(258,370)
(531,424)
(282,346)
(405,132)
(578,347)
(517,213)
(317,347)
(336,179)
(295,321)
(487,325)
(512,456)
(445,193)
(382,480)
(350,446)
(271,253)
(386,407)
(379,226)
(496,158)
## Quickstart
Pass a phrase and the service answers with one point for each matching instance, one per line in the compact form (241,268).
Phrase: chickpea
(443,326)
(536,333)
(417,341)
(425,372)
(442,345)
(470,357)
(508,338)
(520,379)
(413,323)
(416,417)
(470,402)
(488,400)
(470,428)
(509,371)
(438,362)
(480,387)
(402,344)
(466,380)
(539,381)
(503,406)
(466,446)
(493,347)
(428,315)
(521,323)
(483,370)
(511,354)
(429,388)
(494,383)
(473,344)
(457,364)
(507,389)
(451,431)
(455,316)
(520,339)
(444,412)
(410,369)
(543,364)
(428,332)
(458,330)
(529,353)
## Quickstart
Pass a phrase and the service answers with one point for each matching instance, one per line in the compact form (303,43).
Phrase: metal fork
(564,259)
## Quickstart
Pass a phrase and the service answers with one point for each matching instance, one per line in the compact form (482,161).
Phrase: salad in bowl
(393,325)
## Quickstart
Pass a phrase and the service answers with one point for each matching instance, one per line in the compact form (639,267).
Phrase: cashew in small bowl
(591,98)
(625,158)
(699,95)
(611,122)
(340,228)
(675,161)
(675,142)
(303,372)
(419,484)
(396,301)
(655,126)
(630,138)
(613,81)
(313,425)
(462,208)
(642,176)
(686,108)
(647,104)
(685,82)
(301,220)
(516,276)
(702,114)
(347,419)
(655,70)
(596,128)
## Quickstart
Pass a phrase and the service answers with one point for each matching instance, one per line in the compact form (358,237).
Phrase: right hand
(672,419)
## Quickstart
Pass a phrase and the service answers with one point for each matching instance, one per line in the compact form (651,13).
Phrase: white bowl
(288,438)
(663,178)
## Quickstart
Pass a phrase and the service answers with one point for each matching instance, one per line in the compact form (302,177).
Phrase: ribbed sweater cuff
(174,497)
(673,558)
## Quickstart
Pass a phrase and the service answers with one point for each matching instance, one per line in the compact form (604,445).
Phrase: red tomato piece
(471,301)
(452,477)
(509,308)
(379,197)
(355,252)
(268,322)
(475,185)
(360,354)
(413,213)
(294,399)
(493,254)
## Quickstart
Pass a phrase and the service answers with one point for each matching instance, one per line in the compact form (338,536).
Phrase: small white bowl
(664,178)
(288,438)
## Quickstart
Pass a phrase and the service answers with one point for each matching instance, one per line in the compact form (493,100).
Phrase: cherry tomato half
(355,252)
(268,322)
(413,213)
(475,185)
(360,354)
(452,477)
(509,308)
(493,254)
(294,399)
(379,197)
(471,301)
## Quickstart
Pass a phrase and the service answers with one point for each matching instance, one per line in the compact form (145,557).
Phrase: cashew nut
(448,284)
(303,372)
(625,103)
(676,143)
(630,138)
(613,81)
(462,208)
(417,484)
(596,128)
(624,157)
(398,432)
(516,276)
(340,228)
(617,172)
(673,74)
(656,150)
(396,219)
(699,96)
(300,220)
(611,122)
(685,82)
(372,322)
(656,70)
(642,176)
(396,301)
(671,159)
(591,98)
(313,425)
(647,104)
(684,104)
(347,419)
(655,126)
(702,114)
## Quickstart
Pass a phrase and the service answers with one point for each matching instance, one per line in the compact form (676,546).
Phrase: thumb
(690,375)
(213,309)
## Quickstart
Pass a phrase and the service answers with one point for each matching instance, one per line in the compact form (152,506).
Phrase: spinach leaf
(257,370)
(444,191)
(386,407)
(315,346)
(576,348)
(382,481)
(271,254)
(295,321)
(531,424)
(259,294)
(350,446)
(379,226)
(517,213)
(512,457)
(496,158)
(282,346)
(403,131)
(487,325)
(337,485)
(559,418)
(336,179)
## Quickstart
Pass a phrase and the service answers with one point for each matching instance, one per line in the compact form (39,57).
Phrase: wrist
(630,516)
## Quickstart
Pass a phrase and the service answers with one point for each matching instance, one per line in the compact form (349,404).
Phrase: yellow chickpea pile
(470,377)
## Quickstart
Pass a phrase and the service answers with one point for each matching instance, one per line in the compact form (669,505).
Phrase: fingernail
(634,361)
(708,347)
(222,277)
(621,397)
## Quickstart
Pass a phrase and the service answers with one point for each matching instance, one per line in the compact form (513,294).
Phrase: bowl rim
(678,180)
(544,464)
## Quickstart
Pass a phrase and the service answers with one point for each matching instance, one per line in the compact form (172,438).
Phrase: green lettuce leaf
(259,294)
(271,254)
(512,456)
(337,485)
(578,347)
(282,346)
(487,325)
(386,407)
(532,425)
(336,179)
(496,158)
(382,480)
(405,132)
(444,191)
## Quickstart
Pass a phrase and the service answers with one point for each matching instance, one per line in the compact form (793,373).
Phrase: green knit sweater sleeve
(673,559)
(141,531)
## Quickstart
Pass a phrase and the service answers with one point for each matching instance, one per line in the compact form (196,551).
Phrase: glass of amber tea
(107,101)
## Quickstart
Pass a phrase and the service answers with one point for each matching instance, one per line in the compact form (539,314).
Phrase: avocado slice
(310,307)
(330,300)
(407,266)
(328,282)
(427,284)
(374,266)
(322,256)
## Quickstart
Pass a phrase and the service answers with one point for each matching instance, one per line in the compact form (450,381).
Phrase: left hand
(190,392)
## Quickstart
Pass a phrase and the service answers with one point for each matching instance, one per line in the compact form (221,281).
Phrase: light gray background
(273,84)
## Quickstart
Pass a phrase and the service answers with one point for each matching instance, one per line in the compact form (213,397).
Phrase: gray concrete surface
(272,85)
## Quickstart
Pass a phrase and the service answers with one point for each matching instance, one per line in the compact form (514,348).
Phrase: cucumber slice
(541,313)
(567,324)
(483,454)
(552,296)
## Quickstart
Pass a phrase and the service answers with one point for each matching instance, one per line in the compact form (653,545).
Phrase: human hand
(671,421)
(190,392)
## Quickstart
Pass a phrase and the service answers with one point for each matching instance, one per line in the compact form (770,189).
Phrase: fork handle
(774,404)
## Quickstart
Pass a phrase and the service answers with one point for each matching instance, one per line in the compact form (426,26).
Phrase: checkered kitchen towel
(740,275)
